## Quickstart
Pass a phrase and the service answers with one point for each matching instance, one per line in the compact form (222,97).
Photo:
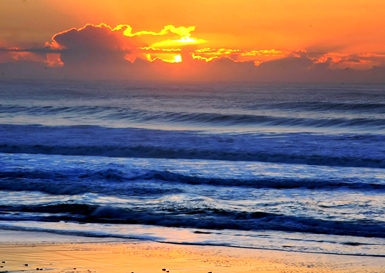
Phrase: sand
(35,251)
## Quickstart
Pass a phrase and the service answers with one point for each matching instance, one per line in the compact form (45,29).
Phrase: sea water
(294,167)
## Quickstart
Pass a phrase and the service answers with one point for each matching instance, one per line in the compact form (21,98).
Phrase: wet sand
(36,252)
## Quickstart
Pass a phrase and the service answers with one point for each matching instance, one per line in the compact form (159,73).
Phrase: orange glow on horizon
(53,60)
(169,43)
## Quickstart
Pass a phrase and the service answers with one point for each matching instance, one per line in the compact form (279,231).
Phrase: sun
(177,59)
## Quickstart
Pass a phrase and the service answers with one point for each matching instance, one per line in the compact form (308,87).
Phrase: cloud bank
(174,54)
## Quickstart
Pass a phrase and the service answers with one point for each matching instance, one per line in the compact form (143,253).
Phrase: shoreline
(25,251)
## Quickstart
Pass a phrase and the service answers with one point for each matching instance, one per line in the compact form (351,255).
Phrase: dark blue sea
(294,167)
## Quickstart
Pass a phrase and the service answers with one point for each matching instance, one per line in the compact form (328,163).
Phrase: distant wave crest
(36,180)
(192,153)
(116,114)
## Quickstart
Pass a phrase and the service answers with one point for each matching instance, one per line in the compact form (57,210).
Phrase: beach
(38,251)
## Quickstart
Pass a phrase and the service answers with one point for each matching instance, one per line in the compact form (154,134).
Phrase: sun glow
(181,41)
(168,58)
(177,58)
(186,40)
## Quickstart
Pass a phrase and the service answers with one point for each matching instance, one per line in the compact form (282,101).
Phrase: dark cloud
(5,56)
(290,69)
(27,70)
(96,45)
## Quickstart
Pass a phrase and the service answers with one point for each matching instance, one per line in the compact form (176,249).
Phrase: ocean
(292,167)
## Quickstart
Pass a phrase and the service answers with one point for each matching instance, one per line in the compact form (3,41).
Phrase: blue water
(294,167)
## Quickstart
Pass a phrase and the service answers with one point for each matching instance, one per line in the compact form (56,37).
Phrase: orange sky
(337,34)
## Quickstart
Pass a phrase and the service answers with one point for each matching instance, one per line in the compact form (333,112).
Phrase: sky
(197,40)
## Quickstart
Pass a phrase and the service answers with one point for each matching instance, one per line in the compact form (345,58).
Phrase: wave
(266,120)
(191,217)
(191,153)
(314,106)
(57,182)
(208,119)
(345,150)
